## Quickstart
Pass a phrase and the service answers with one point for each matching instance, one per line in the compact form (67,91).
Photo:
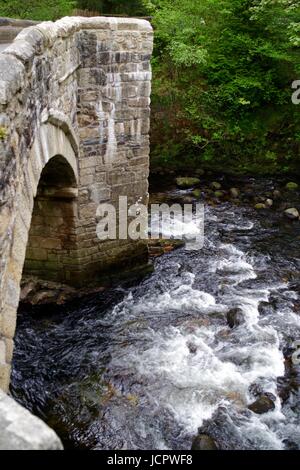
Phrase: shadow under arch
(51,252)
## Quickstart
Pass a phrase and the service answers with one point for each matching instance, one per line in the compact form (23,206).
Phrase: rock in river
(269,202)
(215,185)
(234,192)
(204,442)
(235,317)
(260,206)
(292,186)
(292,213)
(197,193)
(219,194)
(185,182)
(262,405)
(276,194)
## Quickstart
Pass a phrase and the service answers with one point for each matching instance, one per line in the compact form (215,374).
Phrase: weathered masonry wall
(74,132)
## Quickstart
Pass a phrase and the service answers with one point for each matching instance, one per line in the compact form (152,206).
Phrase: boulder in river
(276,194)
(219,194)
(292,213)
(260,206)
(263,404)
(269,202)
(188,200)
(197,193)
(292,186)
(29,288)
(186,182)
(215,185)
(192,347)
(224,427)
(44,297)
(204,442)
(234,192)
(235,317)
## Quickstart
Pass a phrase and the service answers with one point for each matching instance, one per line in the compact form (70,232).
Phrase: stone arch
(51,252)
(51,148)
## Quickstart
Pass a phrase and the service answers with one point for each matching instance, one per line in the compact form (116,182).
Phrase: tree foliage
(222,82)
(36,9)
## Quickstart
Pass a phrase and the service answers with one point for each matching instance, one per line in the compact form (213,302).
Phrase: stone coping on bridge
(15,22)
(20,430)
(33,40)
(10,28)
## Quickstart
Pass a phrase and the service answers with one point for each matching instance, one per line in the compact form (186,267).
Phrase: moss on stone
(3,133)
(186,182)
(292,186)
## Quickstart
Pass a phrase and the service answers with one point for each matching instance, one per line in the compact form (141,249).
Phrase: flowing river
(143,366)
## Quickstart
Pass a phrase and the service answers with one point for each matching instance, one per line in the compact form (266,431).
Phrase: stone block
(19,429)
(2,352)
(87,180)
(4,381)
(9,349)
(45,242)
(8,321)
(87,162)
(12,77)
(36,254)
(12,288)
(88,211)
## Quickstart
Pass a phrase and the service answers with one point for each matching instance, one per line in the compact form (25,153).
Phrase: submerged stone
(219,194)
(276,194)
(260,206)
(234,192)
(204,442)
(196,193)
(235,317)
(292,186)
(215,185)
(186,182)
(262,405)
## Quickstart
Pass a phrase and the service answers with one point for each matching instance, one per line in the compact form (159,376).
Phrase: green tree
(222,82)
(36,10)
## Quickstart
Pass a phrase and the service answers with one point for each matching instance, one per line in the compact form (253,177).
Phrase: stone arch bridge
(74,132)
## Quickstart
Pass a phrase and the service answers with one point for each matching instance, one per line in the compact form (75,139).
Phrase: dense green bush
(36,9)
(223,71)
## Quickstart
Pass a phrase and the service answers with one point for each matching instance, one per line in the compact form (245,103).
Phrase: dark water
(142,367)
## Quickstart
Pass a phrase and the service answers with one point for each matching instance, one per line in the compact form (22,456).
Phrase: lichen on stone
(3,133)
